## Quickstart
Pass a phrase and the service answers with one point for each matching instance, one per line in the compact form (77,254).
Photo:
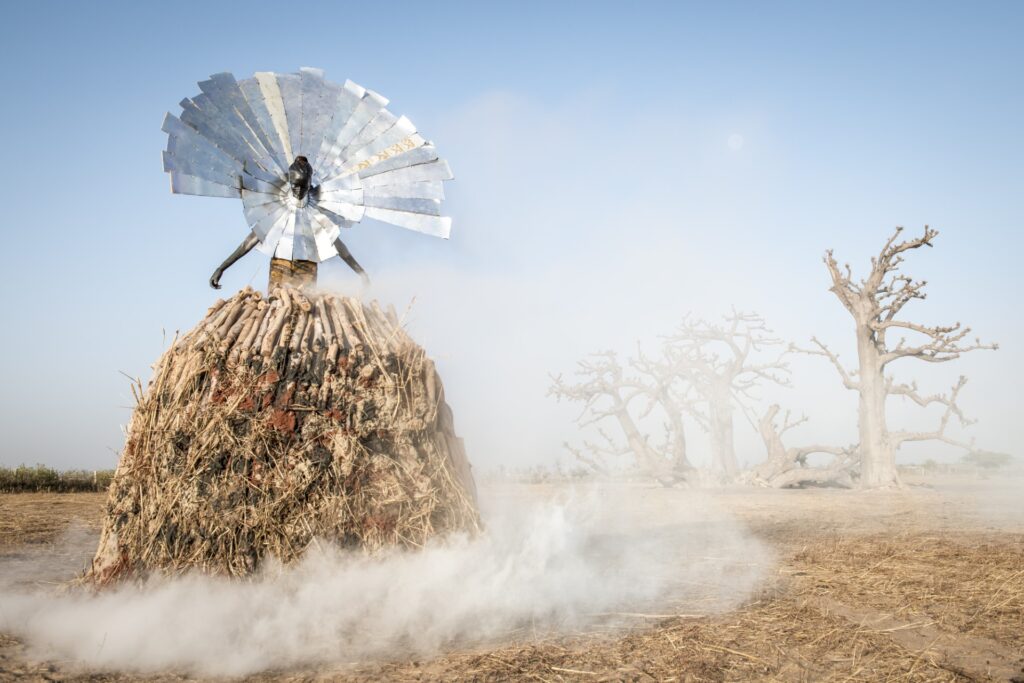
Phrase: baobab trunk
(722,446)
(877,457)
(638,444)
(680,463)
(725,452)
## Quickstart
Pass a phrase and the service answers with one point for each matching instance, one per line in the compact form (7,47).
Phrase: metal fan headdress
(307,157)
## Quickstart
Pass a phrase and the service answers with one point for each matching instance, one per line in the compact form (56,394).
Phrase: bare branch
(705,353)
(823,350)
(952,410)
(787,424)
(890,258)
(593,463)
(788,466)
(842,282)
(946,342)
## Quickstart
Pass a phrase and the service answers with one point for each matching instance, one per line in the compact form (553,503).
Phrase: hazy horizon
(615,169)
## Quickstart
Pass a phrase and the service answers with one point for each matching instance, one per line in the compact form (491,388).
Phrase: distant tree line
(42,479)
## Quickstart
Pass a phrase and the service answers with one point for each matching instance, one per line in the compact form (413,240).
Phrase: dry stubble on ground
(921,585)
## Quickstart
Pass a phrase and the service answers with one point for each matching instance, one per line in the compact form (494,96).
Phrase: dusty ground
(925,584)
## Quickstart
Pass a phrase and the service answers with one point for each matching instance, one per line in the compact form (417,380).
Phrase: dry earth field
(925,584)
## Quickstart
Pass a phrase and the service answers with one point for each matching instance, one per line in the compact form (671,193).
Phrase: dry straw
(278,421)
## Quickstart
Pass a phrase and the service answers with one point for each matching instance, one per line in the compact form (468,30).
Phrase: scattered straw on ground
(969,585)
(809,626)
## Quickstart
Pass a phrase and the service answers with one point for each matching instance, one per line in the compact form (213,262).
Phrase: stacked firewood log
(279,422)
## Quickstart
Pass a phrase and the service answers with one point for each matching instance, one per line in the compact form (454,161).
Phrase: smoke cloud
(544,564)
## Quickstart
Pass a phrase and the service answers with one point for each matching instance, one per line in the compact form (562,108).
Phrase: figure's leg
(347,257)
(244,248)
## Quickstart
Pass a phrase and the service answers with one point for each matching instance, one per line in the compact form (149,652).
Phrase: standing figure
(307,157)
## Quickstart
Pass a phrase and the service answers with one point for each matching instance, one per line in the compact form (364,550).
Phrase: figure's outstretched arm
(347,257)
(244,248)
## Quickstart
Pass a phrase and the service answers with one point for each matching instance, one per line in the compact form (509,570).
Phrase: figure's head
(300,176)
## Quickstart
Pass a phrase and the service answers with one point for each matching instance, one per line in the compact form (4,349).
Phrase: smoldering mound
(549,562)
(278,419)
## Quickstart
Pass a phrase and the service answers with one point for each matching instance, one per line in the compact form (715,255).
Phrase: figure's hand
(215,278)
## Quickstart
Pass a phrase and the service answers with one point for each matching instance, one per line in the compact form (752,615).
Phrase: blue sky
(616,166)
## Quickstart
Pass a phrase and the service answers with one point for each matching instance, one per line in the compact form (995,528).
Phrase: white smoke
(552,566)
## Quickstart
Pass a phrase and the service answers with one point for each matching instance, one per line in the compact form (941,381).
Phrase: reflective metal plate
(237,139)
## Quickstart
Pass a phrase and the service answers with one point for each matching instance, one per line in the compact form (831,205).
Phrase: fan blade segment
(304,244)
(250,88)
(182,183)
(364,111)
(274,103)
(424,190)
(273,228)
(430,207)
(418,155)
(435,170)
(206,119)
(250,198)
(195,162)
(235,114)
(285,228)
(325,231)
(318,102)
(257,185)
(291,95)
(265,176)
(345,182)
(439,226)
(255,213)
(263,217)
(353,196)
(383,121)
(184,140)
(399,139)
(348,211)
(348,98)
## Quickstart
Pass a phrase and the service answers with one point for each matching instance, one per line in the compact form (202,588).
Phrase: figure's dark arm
(244,248)
(347,257)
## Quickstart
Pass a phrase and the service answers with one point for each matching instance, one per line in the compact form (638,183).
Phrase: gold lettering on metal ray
(395,149)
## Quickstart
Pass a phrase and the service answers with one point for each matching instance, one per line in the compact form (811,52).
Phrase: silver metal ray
(427,190)
(238,139)
(420,155)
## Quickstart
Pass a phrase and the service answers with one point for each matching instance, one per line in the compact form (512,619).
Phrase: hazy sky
(616,166)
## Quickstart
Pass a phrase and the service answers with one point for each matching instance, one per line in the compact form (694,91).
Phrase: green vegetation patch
(24,479)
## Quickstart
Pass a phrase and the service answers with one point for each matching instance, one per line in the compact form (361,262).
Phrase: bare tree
(718,361)
(608,394)
(703,371)
(875,302)
(787,467)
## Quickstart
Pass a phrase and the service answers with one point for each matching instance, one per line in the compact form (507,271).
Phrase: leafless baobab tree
(702,371)
(720,362)
(874,303)
(611,394)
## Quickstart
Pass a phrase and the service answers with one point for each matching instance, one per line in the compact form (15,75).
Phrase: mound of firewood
(276,423)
